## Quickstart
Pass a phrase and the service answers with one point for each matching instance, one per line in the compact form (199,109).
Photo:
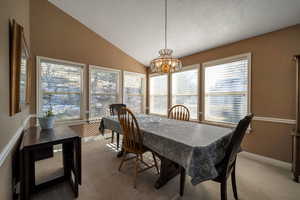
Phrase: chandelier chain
(166,22)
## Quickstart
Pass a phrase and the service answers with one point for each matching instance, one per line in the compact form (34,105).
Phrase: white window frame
(187,68)
(168,93)
(39,59)
(144,87)
(224,61)
(119,86)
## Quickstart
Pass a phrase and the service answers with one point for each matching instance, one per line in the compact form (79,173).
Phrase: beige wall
(19,10)
(273,86)
(56,34)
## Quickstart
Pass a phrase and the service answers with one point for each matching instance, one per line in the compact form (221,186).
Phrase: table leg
(27,179)
(67,159)
(182,180)
(118,140)
(168,170)
(78,153)
(71,164)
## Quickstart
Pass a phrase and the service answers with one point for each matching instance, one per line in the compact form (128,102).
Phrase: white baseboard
(267,160)
(9,146)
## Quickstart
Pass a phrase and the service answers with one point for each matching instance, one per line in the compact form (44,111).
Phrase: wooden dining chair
(114,109)
(227,165)
(133,142)
(179,112)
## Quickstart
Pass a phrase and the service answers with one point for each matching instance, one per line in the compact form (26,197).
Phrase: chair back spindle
(179,112)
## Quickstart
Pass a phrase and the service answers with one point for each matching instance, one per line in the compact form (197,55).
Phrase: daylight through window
(185,90)
(60,89)
(226,91)
(134,91)
(159,94)
(104,90)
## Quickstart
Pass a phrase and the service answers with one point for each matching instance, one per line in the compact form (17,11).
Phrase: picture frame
(20,71)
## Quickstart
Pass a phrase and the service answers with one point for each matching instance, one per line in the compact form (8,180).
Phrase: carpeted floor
(101,180)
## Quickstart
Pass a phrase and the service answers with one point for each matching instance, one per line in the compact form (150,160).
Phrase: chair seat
(136,151)
(221,169)
(221,172)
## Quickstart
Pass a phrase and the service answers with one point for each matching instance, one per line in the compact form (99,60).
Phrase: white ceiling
(137,26)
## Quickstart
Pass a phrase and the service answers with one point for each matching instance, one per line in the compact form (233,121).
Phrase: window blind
(159,94)
(226,91)
(134,91)
(104,90)
(185,90)
(61,89)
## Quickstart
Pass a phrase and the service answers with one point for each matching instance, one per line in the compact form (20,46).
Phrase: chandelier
(165,63)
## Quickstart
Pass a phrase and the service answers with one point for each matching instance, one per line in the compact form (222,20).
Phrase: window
(134,91)
(158,94)
(185,90)
(226,89)
(60,88)
(104,90)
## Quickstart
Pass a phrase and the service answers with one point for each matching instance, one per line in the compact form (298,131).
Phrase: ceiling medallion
(165,63)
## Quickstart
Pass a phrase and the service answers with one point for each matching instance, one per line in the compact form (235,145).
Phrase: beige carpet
(101,180)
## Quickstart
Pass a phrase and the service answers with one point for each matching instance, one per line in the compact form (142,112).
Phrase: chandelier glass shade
(165,63)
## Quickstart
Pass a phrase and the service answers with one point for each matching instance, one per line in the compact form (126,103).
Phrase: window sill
(225,125)
(67,122)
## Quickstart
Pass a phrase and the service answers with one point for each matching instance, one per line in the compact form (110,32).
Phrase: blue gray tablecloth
(197,147)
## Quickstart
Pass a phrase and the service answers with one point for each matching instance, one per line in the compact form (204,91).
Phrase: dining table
(184,147)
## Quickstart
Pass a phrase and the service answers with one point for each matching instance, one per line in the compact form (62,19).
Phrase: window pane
(103,81)
(64,106)
(228,77)
(188,100)
(134,92)
(184,90)
(104,91)
(159,94)
(61,89)
(134,103)
(158,104)
(225,108)
(58,77)
(226,86)
(99,105)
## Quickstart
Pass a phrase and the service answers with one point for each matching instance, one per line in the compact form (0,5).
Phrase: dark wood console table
(296,132)
(296,156)
(35,140)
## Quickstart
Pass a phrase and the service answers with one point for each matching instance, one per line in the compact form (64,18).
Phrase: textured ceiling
(137,26)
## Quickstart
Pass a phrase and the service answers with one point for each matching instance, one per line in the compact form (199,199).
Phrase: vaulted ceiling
(137,26)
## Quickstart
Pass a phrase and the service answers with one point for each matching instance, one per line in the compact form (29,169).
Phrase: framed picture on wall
(20,72)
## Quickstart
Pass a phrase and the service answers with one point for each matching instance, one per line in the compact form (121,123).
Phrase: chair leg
(233,181)
(155,163)
(182,180)
(118,140)
(136,169)
(112,136)
(224,190)
(123,160)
